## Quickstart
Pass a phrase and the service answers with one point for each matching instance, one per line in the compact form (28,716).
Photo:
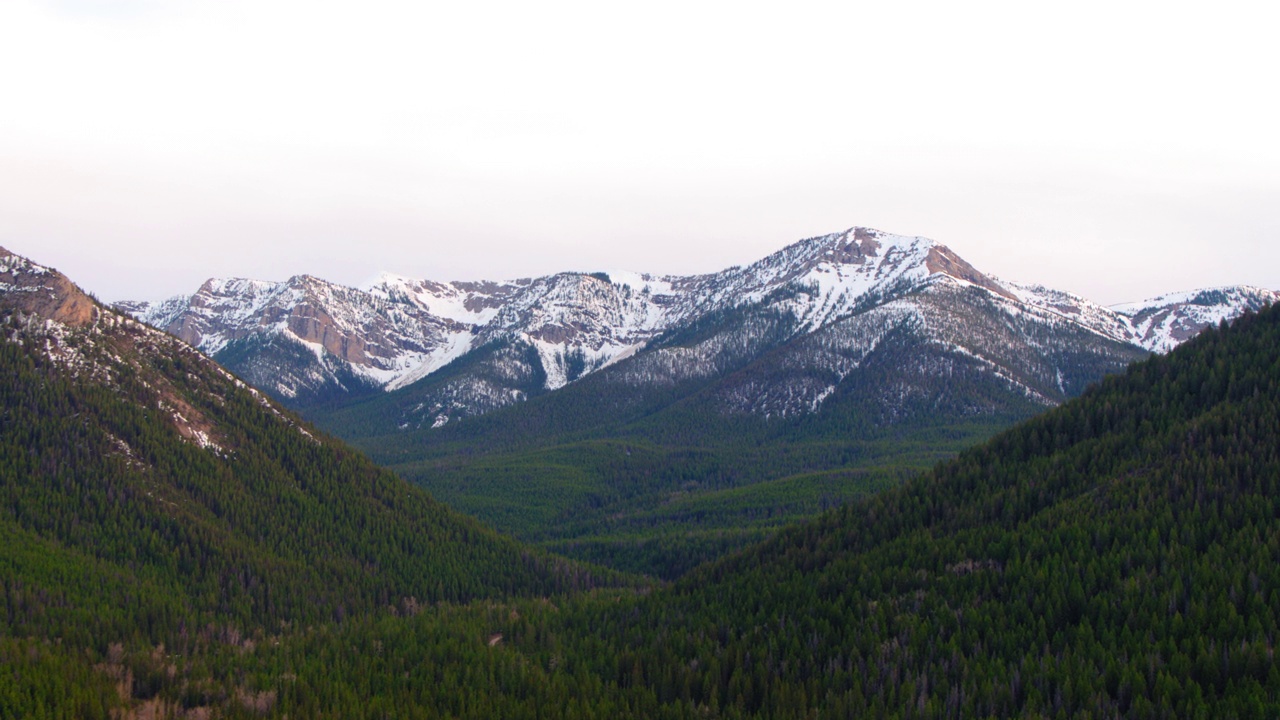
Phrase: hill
(1113,557)
(149,499)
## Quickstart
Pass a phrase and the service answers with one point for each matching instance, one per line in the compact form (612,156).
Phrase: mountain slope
(1113,557)
(1161,323)
(149,497)
(779,338)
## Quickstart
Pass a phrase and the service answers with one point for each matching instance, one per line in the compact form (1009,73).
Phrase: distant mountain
(307,341)
(1161,323)
(149,496)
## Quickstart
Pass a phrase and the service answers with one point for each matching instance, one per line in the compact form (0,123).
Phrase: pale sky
(1117,150)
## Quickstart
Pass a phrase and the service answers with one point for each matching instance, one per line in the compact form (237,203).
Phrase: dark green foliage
(40,679)
(117,526)
(660,511)
(1116,556)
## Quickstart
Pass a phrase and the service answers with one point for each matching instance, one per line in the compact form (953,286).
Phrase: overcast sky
(1117,150)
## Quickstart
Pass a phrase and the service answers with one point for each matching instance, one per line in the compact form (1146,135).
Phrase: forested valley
(175,544)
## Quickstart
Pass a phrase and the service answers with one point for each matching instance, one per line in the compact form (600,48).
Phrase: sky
(1113,149)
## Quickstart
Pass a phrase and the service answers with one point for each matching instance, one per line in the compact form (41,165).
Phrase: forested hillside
(148,499)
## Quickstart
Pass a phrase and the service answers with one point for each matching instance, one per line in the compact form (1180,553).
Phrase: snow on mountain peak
(468,303)
(831,275)
(11,263)
(1236,294)
(1161,323)
(396,330)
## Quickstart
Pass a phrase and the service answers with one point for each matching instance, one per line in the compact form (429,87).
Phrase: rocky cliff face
(813,313)
(89,341)
(40,291)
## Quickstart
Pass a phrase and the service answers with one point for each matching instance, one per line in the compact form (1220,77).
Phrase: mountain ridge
(112,423)
(306,339)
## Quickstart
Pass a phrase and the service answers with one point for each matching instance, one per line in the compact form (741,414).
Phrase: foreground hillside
(148,499)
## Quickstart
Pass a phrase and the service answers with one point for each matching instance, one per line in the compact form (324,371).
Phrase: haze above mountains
(1089,171)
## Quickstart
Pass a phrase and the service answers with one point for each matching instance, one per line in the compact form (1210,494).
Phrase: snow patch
(456,346)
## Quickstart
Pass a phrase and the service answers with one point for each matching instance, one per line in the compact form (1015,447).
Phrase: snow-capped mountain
(306,336)
(813,313)
(1162,323)
(1157,324)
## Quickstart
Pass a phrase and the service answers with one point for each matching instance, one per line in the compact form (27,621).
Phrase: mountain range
(828,301)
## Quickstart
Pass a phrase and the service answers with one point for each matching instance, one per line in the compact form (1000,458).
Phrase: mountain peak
(859,245)
(853,245)
(39,290)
